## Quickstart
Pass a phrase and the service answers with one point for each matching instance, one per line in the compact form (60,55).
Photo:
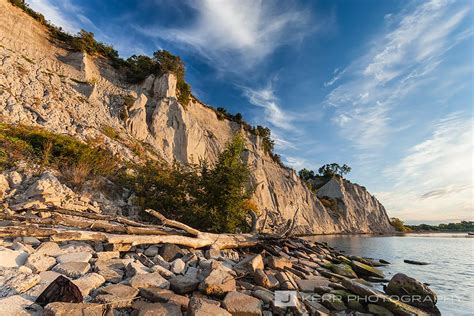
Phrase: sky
(383,86)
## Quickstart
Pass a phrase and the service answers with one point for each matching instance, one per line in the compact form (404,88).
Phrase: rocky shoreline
(96,278)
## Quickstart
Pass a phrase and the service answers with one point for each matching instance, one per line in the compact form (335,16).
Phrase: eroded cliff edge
(42,84)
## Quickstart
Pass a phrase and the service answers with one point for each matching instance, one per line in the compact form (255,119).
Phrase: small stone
(279,262)
(213,253)
(136,268)
(112,275)
(164,272)
(149,280)
(156,294)
(261,278)
(265,295)
(192,272)
(22,247)
(241,304)
(177,266)
(344,270)
(89,282)
(72,269)
(364,269)
(38,262)
(107,255)
(160,261)
(170,252)
(117,295)
(151,251)
(73,309)
(310,284)
(77,246)
(12,258)
(160,309)
(74,257)
(202,307)
(285,281)
(182,284)
(31,241)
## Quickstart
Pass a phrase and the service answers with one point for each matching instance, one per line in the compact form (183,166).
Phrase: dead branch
(172,223)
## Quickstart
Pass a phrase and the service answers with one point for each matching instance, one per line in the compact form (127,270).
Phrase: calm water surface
(450,274)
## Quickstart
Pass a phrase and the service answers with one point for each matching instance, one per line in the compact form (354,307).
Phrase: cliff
(43,84)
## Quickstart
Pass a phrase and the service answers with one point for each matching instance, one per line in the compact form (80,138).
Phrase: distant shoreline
(387,234)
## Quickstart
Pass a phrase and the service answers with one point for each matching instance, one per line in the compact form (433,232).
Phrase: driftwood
(66,225)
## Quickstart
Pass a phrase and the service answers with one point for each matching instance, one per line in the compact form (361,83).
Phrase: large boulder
(218,282)
(182,284)
(203,307)
(16,281)
(366,270)
(149,280)
(12,258)
(417,293)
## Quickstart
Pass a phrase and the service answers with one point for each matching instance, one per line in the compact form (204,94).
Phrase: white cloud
(266,99)
(296,163)
(337,75)
(236,35)
(435,178)
(398,63)
(54,14)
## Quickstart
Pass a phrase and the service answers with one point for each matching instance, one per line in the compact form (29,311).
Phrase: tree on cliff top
(334,169)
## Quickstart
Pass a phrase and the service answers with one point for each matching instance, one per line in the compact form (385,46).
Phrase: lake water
(450,274)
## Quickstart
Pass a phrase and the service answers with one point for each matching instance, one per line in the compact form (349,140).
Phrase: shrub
(399,225)
(215,197)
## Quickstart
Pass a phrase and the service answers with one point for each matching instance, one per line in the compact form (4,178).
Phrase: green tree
(306,174)
(399,225)
(332,169)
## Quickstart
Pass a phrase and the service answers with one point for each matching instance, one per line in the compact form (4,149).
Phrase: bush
(217,198)
(53,150)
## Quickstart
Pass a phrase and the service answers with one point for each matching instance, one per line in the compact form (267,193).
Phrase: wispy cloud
(236,35)
(274,113)
(398,62)
(337,75)
(435,175)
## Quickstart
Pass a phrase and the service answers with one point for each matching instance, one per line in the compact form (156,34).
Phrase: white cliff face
(44,85)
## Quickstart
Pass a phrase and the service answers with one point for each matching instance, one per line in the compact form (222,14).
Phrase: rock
(261,278)
(163,271)
(160,309)
(74,257)
(116,295)
(136,268)
(112,270)
(286,282)
(60,290)
(310,284)
(48,276)
(192,272)
(344,270)
(266,296)
(22,247)
(382,261)
(333,302)
(396,307)
(14,305)
(151,251)
(218,283)
(107,255)
(160,261)
(413,291)
(170,252)
(212,253)
(31,241)
(279,262)
(49,248)
(73,309)
(202,307)
(73,269)
(249,264)
(239,304)
(149,280)
(156,294)
(16,281)
(420,263)
(12,258)
(177,266)
(182,284)
(366,270)
(112,275)
(4,186)
(38,262)
(89,282)
(379,310)
(77,246)
(317,309)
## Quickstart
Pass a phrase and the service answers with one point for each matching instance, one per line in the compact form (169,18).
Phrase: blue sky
(384,86)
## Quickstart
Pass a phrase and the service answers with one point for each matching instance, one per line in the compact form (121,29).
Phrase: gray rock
(202,307)
(417,293)
(156,294)
(162,262)
(117,295)
(218,282)
(310,284)
(178,266)
(160,309)
(182,284)
(48,276)
(379,310)
(249,264)
(72,269)
(333,302)
(261,278)
(31,241)
(107,255)
(136,268)
(151,251)
(265,295)
(22,247)
(149,280)
(14,305)
(163,271)
(49,248)
(74,257)
(344,270)
(239,304)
